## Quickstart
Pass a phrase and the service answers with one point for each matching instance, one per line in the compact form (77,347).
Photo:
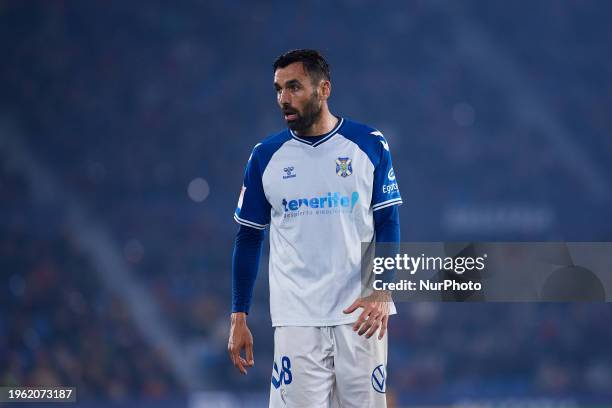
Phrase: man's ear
(325,89)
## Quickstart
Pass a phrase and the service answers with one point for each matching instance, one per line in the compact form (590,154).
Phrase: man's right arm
(245,263)
(253,215)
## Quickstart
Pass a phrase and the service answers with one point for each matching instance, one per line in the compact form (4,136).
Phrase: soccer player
(324,185)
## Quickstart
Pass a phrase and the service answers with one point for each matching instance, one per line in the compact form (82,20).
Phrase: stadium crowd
(58,326)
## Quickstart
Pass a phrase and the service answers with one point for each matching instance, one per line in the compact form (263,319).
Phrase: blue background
(125,128)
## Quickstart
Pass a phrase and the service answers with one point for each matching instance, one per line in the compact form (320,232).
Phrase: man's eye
(294,88)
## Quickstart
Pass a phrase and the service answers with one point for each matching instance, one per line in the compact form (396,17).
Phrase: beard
(309,115)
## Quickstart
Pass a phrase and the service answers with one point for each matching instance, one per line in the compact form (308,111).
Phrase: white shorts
(323,367)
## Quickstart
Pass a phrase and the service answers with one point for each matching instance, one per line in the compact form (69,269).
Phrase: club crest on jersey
(344,168)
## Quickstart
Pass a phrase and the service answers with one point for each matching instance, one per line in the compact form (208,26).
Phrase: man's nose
(284,98)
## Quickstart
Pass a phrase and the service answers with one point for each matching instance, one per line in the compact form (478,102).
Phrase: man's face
(298,99)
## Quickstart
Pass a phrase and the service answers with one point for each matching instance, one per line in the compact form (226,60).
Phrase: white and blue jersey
(319,197)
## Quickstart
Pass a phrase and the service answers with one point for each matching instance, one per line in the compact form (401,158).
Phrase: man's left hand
(374,316)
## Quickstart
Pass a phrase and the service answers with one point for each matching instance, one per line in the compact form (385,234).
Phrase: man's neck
(324,125)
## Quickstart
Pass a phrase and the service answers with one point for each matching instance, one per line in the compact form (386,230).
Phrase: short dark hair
(314,63)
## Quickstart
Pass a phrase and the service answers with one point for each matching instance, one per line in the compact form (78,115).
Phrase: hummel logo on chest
(289,172)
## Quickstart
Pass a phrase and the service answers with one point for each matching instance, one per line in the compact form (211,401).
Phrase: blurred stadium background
(124,131)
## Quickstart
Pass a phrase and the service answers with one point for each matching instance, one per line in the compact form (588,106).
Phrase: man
(325,185)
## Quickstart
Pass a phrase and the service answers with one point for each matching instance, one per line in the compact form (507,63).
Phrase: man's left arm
(385,202)
(375,314)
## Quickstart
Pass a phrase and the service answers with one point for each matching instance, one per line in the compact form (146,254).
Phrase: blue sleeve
(385,191)
(387,230)
(253,209)
(245,263)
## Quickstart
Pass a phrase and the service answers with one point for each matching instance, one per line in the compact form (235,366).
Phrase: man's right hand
(240,338)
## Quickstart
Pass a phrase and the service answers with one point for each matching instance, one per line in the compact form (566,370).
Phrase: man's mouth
(289,115)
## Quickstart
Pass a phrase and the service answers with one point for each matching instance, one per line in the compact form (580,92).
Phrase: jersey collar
(323,140)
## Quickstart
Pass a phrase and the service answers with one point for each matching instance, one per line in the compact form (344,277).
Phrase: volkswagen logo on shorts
(379,378)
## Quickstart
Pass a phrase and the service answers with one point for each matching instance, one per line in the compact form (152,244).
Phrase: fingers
(370,321)
(353,307)
(362,318)
(367,319)
(244,363)
(366,325)
(249,355)
(241,366)
(239,362)
(371,324)
(383,327)
(375,326)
